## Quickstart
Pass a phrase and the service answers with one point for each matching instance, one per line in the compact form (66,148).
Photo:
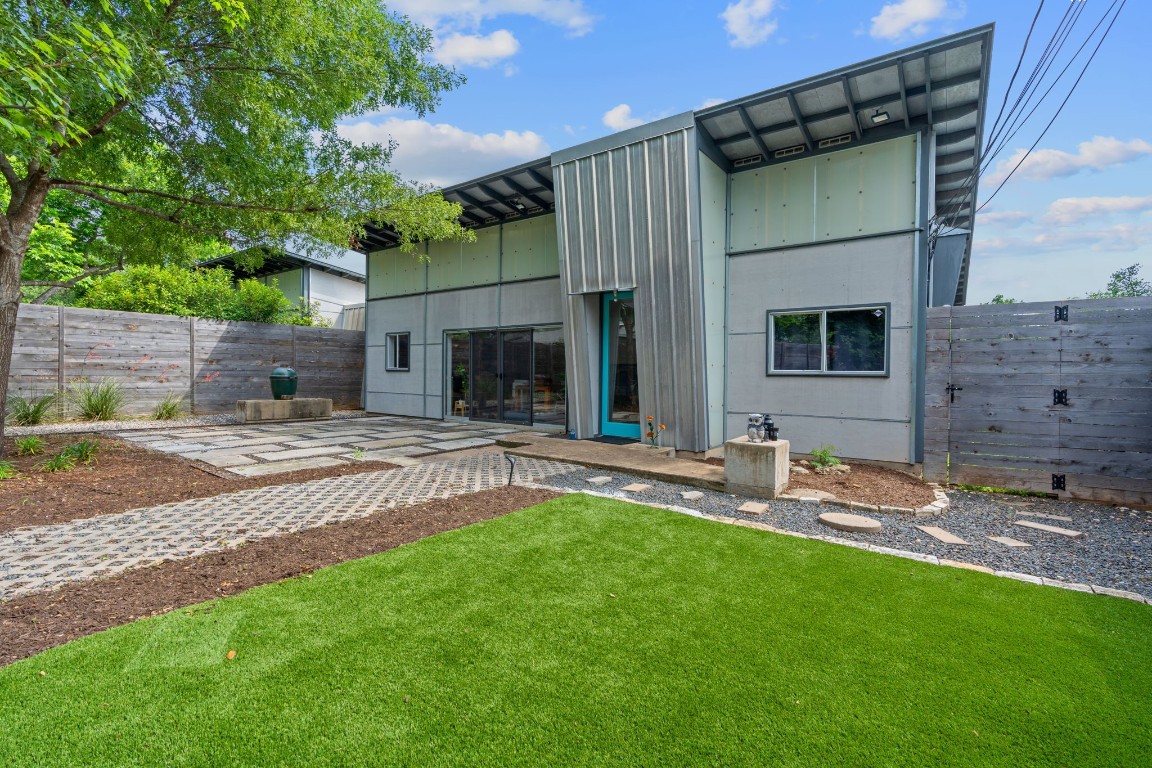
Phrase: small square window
(847,340)
(397,351)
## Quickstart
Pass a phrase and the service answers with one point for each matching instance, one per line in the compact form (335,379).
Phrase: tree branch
(76,185)
(172,219)
(8,171)
(56,286)
(96,129)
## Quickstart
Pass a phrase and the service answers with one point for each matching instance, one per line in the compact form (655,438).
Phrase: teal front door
(620,386)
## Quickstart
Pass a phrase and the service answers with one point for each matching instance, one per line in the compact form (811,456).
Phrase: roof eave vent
(789,151)
(835,140)
(748,161)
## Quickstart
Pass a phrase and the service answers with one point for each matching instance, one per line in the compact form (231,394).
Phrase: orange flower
(663,427)
(651,433)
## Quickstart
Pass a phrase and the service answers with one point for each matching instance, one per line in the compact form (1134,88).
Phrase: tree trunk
(15,229)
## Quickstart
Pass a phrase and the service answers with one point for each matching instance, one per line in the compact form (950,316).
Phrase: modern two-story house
(775,253)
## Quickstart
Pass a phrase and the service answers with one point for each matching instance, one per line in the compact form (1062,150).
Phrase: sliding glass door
(515,376)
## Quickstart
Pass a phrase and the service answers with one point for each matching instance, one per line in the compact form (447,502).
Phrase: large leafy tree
(1124,284)
(207,120)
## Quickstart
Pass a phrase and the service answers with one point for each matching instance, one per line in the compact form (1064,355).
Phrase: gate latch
(1061,314)
(1059,397)
(952,390)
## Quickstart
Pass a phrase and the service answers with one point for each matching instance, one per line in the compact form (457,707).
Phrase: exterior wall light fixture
(879,117)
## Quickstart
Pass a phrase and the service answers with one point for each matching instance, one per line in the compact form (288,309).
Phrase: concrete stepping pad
(843,521)
(636,488)
(1050,529)
(752,508)
(691,495)
(601,480)
(942,535)
(1063,518)
(1008,541)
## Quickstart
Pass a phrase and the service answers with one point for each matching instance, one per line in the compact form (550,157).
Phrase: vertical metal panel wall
(624,219)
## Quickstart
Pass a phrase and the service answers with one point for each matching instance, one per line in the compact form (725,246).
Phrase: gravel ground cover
(121,425)
(1116,551)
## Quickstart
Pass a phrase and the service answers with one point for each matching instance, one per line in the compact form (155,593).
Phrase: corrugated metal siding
(625,222)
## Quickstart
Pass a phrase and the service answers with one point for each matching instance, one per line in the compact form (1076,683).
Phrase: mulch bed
(122,477)
(865,483)
(37,622)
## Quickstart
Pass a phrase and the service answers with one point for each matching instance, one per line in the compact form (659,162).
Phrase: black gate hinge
(952,390)
(1059,397)
(1061,314)
(1058,483)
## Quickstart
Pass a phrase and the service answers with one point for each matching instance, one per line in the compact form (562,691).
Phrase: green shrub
(83,451)
(98,402)
(7,471)
(61,462)
(29,411)
(822,456)
(171,407)
(258,303)
(29,446)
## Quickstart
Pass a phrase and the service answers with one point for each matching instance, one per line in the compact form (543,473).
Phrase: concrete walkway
(40,558)
(635,459)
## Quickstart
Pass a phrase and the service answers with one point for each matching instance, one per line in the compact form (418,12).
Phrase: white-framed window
(835,341)
(397,344)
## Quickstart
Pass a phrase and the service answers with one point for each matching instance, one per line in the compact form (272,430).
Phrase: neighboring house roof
(941,84)
(341,262)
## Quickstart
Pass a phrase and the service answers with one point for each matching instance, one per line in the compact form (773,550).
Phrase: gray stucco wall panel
(853,438)
(535,303)
(378,379)
(400,315)
(465,308)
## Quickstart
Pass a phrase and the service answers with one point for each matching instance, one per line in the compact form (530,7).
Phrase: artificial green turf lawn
(588,631)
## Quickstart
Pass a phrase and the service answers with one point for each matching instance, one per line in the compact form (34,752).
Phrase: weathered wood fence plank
(211,364)
(1003,425)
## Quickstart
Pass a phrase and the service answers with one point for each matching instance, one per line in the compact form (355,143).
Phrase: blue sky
(547,74)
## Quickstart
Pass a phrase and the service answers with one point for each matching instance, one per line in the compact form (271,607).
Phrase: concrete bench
(300,409)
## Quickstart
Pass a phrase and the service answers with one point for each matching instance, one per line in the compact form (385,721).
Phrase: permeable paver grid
(35,559)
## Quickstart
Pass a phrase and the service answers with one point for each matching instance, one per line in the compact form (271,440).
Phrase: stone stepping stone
(691,495)
(752,508)
(1063,518)
(942,535)
(1008,541)
(1050,529)
(598,480)
(636,488)
(843,521)
(810,493)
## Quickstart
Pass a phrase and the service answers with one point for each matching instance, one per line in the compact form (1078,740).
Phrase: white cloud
(620,118)
(711,103)
(477,50)
(749,22)
(1072,210)
(469,14)
(442,154)
(910,17)
(1004,217)
(1044,164)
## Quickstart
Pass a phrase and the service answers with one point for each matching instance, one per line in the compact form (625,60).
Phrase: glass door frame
(607,426)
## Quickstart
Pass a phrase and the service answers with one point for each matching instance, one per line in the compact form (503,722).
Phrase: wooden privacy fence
(210,363)
(1053,397)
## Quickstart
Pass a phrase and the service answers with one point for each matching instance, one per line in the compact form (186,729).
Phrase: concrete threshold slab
(617,458)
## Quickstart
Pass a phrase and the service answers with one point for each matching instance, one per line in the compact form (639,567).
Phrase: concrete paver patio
(263,449)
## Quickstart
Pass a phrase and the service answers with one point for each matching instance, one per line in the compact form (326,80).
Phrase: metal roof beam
(927,86)
(467,199)
(803,126)
(851,106)
(523,192)
(948,139)
(903,92)
(748,126)
(540,179)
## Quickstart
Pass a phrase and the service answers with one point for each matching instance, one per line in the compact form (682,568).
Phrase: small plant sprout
(29,446)
(171,407)
(98,402)
(29,411)
(61,462)
(654,430)
(83,451)
(358,454)
(7,471)
(822,456)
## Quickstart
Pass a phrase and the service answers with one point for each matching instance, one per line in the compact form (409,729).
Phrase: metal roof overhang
(512,194)
(941,85)
(276,264)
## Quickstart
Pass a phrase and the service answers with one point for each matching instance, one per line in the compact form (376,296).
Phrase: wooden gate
(1053,397)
